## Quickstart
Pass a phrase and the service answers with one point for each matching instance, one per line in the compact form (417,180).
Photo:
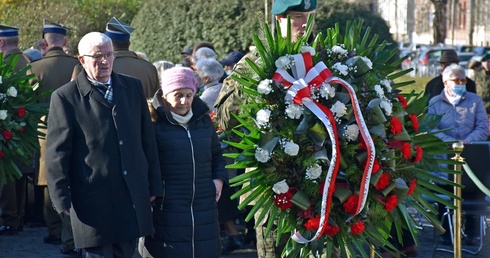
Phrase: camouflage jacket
(230,98)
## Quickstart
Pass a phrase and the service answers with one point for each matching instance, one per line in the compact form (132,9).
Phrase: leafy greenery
(80,16)
(272,167)
(20,114)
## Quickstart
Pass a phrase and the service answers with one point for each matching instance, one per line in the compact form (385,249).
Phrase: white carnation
(327,91)
(283,62)
(291,148)
(262,118)
(387,84)
(339,50)
(387,106)
(341,68)
(0,79)
(294,111)
(280,187)
(352,132)
(339,109)
(12,92)
(367,61)
(305,49)
(3,114)
(313,172)
(264,87)
(262,155)
(379,90)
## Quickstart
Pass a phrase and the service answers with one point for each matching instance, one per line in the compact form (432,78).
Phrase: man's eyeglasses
(99,56)
(458,81)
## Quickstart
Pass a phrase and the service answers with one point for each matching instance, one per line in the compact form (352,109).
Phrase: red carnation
(415,122)
(21,112)
(1,154)
(7,135)
(376,166)
(284,200)
(406,150)
(419,153)
(350,206)
(357,228)
(396,125)
(391,202)
(413,184)
(395,145)
(383,182)
(331,230)
(403,101)
(22,129)
(312,224)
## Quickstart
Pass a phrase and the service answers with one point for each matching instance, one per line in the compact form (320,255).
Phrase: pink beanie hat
(177,78)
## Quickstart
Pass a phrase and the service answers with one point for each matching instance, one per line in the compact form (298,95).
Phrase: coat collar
(125,53)
(55,51)
(199,108)
(86,88)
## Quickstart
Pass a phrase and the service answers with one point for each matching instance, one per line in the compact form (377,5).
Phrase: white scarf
(183,120)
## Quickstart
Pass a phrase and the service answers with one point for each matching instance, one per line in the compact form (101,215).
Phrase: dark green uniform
(127,62)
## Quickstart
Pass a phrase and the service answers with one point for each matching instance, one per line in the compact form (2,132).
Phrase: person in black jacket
(192,169)
(435,86)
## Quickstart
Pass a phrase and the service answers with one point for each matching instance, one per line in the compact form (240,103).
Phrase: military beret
(118,30)
(485,57)
(283,6)
(8,31)
(51,27)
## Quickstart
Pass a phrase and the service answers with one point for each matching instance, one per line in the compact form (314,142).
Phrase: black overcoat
(102,161)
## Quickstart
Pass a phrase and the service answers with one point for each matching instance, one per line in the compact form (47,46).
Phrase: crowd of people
(132,156)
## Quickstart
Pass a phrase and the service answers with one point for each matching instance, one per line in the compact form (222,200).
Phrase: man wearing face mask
(463,112)
(435,86)
(230,61)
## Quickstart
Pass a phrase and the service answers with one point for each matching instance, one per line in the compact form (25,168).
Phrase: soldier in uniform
(482,79)
(127,62)
(53,71)
(13,193)
(229,99)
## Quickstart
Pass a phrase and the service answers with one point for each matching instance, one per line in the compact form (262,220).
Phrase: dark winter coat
(102,161)
(190,158)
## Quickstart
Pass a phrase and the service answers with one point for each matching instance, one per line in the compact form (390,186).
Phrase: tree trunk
(440,20)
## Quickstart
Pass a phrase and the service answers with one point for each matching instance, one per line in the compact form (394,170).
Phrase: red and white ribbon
(300,93)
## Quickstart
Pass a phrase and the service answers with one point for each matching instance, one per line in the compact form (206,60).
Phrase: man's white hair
(91,40)
(451,70)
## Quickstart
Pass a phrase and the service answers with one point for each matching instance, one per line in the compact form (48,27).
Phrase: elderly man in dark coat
(101,156)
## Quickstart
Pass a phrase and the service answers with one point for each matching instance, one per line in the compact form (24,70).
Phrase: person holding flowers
(465,114)
(229,99)
(192,169)
(333,149)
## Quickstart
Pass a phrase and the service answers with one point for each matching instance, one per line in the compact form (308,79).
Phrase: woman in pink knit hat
(193,171)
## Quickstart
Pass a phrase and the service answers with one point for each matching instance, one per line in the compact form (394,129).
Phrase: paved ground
(29,244)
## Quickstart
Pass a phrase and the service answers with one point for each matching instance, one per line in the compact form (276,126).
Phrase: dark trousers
(51,216)
(123,249)
(12,202)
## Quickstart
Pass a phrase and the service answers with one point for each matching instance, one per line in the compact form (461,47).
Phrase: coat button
(120,142)
(125,172)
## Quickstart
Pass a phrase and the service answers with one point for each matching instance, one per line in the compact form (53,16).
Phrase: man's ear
(81,60)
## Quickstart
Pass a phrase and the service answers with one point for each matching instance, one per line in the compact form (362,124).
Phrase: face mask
(459,89)
(228,72)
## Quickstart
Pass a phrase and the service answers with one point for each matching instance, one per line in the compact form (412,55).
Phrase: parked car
(464,60)
(428,61)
